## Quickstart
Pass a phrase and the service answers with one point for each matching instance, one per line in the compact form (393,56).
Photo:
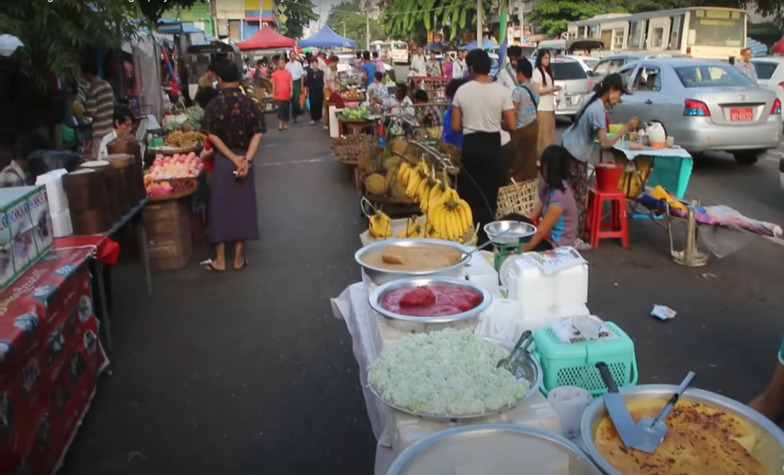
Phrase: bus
(394,51)
(702,32)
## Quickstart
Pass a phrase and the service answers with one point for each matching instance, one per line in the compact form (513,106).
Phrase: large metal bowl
(769,449)
(407,323)
(509,232)
(498,449)
(526,367)
(380,276)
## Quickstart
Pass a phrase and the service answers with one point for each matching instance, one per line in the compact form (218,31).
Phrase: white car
(770,73)
(587,62)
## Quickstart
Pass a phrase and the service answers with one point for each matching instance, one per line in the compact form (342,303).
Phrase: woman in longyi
(701,440)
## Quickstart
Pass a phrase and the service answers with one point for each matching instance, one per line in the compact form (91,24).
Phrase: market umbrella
(435,47)
(9,44)
(266,38)
(486,44)
(327,38)
(757,48)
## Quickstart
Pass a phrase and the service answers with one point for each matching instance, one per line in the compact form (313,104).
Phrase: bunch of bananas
(449,216)
(380,225)
(418,182)
(416,227)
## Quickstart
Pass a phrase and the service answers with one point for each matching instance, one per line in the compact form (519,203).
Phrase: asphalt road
(249,373)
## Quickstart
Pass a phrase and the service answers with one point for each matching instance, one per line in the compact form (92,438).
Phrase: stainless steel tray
(414,324)
(530,369)
(769,451)
(380,276)
(479,445)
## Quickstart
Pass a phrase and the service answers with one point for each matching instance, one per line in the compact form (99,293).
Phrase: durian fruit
(391,162)
(391,177)
(397,190)
(376,184)
(398,146)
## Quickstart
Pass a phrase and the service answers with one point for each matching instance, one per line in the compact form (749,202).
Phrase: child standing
(282,89)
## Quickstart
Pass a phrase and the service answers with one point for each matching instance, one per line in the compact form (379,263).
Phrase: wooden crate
(168,227)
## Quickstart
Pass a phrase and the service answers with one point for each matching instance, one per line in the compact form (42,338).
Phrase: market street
(249,373)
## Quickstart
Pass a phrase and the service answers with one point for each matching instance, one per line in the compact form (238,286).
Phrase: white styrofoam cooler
(562,294)
(53,180)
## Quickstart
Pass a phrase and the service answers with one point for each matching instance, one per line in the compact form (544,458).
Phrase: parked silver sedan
(705,105)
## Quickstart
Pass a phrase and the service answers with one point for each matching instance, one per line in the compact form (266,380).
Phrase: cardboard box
(18,231)
(43,234)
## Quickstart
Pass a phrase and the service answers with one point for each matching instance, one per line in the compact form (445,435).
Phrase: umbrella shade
(9,44)
(487,44)
(435,47)
(326,38)
(266,38)
(757,48)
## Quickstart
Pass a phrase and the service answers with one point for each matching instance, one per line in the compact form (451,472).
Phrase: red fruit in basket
(418,297)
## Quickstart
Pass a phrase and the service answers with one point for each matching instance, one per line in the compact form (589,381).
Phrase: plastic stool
(618,224)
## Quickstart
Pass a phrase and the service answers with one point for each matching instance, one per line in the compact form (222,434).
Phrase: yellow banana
(380,225)
(421,190)
(465,215)
(402,177)
(413,182)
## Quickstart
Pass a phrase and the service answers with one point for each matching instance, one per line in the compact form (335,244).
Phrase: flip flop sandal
(243,266)
(209,267)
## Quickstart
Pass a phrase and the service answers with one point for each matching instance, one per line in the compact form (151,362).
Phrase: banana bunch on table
(380,225)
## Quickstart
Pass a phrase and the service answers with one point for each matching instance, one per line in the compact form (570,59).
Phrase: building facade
(199,16)
(241,19)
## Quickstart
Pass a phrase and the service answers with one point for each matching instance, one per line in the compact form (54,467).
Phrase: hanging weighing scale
(508,237)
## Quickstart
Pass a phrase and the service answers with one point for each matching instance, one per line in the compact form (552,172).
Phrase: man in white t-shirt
(418,67)
(294,67)
(481,109)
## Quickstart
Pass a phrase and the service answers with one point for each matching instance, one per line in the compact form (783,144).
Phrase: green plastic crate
(574,364)
(672,173)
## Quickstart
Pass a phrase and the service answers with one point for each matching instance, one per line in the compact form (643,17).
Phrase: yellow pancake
(701,440)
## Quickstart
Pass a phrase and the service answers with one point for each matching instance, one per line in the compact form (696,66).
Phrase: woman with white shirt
(545,111)
(481,109)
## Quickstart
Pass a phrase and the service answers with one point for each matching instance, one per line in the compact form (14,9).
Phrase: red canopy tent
(266,38)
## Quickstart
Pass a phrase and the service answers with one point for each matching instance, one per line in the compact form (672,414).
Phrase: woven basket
(517,198)
(347,149)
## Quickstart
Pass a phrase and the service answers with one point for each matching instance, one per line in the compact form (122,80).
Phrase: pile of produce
(446,215)
(353,95)
(175,166)
(191,120)
(468,381)
(355,113)
(182,139)
(349,149)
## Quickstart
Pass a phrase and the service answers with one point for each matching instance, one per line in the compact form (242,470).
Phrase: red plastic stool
(617,226)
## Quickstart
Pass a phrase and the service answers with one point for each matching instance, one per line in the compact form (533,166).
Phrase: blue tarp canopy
(436,47)
(487,44)
(326,38)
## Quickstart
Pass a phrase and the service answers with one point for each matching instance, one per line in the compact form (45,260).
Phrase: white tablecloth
(394,430)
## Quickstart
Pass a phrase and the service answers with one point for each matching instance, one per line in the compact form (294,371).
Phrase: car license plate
(741,114)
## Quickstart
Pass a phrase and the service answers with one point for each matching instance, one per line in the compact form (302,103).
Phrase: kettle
(656,133)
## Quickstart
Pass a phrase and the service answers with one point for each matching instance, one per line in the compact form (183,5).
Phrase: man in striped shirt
(99,106)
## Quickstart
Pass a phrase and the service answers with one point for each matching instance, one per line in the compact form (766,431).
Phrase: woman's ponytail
(599,90)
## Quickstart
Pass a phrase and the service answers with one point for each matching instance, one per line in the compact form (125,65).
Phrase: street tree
(56,35)
(153,10)
(412,18)
(299,14)
(348,19)
(553,16)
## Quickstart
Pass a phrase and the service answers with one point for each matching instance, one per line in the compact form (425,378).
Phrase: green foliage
(299,14)
(410,19)
(57,34)
(348,19)
(153,10)
(553,16)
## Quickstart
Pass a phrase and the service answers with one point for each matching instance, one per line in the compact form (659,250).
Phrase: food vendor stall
(523,357)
